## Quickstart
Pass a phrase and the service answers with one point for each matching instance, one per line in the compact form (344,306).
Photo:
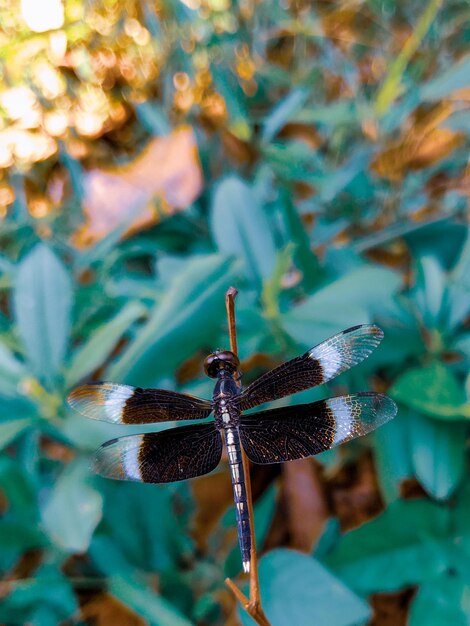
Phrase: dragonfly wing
(296,432)
(165,457)
(319,365)
(123,404)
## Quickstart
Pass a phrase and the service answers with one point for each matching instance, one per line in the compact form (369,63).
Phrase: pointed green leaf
(438,451)
(42,303)
(297,589)
(185,319)
(444,600)
(405,545)
(146,602)
(10,430)
(73,510)
(456,76)
(350,300)
(101,343)
(241,228)
(440,395)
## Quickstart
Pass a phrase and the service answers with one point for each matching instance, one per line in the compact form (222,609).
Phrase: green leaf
(10,430)
(150,548)
(20,533)
(392,455)
(444,600)
(392,87)
(153,117)
(336,181)
(240,228)
(297,589)
(457,76)
(430,290)
(42,303)
(146,603)
(438,451)
(184,320)
(440,395)
(405,545)
(282,112)
(304,258)
(352,299)
(12,371)
(101,343)
(73,510)
(46,599)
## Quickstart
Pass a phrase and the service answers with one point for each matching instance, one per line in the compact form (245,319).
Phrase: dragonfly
(274,435)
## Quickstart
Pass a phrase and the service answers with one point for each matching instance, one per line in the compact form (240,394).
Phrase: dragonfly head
(221,360)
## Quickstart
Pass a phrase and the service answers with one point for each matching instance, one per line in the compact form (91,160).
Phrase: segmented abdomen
(239,492)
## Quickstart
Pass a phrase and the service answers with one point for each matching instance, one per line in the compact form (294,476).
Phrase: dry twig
(252,605)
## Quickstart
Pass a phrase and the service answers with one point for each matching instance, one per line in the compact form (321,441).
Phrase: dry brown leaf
(423,144)
(354,493)
(391,609)
(105,609)
(305,503)
(213,495)
(166,174)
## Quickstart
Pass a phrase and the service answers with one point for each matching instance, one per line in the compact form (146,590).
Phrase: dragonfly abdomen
(235,459)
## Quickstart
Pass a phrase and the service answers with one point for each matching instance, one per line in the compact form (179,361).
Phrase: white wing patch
(115,402)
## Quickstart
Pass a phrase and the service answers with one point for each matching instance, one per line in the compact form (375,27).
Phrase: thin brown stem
(253,605)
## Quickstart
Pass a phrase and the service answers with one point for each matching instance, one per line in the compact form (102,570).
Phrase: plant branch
(252,605)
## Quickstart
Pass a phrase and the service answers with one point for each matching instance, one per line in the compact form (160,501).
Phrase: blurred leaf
(305,260)
(438,451)
(403,546)
(10,430)
(282,112)
(73,509)
(122,196)
(241,228)
(183,321)
(150,549)
(11,371)
(430,290)
(392,455)
(153,118)
(363,291)
(457,76)
(272,288)
(42,303)
(391,87)
(45,600)
(18,533)
(444,600)
(432,390)
(296,589)
(101,343)
(147,603)
(339,178)
(228,87)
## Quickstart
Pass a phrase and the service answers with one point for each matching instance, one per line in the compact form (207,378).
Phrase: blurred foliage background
(314,155)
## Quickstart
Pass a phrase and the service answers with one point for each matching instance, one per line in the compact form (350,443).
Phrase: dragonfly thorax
(226,411)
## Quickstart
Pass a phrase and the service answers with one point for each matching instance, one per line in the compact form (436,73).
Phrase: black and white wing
(296,432)
(318,365)
(123,404)
(164,457)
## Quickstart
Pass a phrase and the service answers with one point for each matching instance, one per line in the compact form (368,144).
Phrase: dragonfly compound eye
(221,360)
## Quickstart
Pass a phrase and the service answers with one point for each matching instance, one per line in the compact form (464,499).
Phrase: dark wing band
(317,366)
(165,457)
(296,432)
(122,404)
